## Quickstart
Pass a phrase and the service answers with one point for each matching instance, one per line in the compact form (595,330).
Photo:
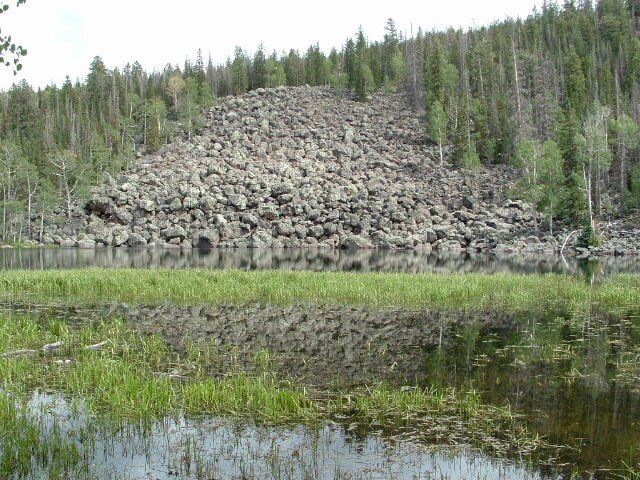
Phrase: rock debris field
(304,167)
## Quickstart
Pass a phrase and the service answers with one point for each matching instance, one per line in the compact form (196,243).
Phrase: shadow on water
(573,375)
(301,259)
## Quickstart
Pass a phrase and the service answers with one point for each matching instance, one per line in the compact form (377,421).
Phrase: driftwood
(25,352)
(51,347)
(96,346)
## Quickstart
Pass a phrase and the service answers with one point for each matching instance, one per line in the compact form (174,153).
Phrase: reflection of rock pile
(302,167)
(408,261)
(320,344)
(316,343)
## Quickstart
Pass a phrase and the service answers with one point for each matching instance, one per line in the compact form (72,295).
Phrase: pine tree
(575,83)
(239,75)
(360,73)
(259,69)
(574,205)
(349,56)
(627,139)
(434,74)
(294,69)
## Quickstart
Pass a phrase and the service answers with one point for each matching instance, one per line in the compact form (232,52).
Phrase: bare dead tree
(69,174)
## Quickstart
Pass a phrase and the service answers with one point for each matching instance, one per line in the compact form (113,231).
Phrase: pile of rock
(302,167)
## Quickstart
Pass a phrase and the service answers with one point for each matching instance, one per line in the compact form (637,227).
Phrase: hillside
(292,167)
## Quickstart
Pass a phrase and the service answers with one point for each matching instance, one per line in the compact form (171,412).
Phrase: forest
(556,95)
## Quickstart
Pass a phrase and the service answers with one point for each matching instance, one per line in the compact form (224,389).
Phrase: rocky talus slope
(303,167)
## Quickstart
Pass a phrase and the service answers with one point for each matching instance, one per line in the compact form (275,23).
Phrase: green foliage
(8,48)
(471,159)
(435,73)
(573,199)
(576,83)
(588,237)
(259,69)
(157,114)
(294,69)
(189,116)
(542,180)
(397,69)
(276,74)
(632,198)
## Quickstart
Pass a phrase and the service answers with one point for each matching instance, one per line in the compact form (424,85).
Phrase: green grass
(136,376)
(510,291)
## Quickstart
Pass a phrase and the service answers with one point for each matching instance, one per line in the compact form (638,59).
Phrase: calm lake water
(572,376)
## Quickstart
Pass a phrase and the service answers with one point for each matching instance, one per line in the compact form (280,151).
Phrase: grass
(133,375)
(510,291)
(136,379)
(25,446)
(630,473)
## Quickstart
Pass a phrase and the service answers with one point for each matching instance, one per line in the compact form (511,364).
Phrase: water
(226,449)
(306,259)
(573,376)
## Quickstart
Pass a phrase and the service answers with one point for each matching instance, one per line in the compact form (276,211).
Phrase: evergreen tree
(360,68)
(294,69)
(627,139)
(575,83)
(239,75)
(259,69)
(349,56)
(434,74)
(574,204)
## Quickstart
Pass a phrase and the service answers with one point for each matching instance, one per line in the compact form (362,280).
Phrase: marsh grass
(477,291)
(136,376)
(25,446)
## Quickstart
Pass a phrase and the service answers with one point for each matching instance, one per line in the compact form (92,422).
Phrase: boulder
(352,242)
(206,238)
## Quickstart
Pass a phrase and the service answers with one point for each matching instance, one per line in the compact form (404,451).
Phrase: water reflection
(574,375)
(219,448)
(303,259)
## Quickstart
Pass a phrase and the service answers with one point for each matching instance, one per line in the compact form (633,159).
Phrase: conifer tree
(574,204)
(349,56)
(627,139)
(259,69)
(360,68)
(239,75)
(575,83)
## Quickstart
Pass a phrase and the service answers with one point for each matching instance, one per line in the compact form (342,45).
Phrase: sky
(63,36)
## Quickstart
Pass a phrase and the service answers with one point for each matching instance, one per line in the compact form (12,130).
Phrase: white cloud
(63,36)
